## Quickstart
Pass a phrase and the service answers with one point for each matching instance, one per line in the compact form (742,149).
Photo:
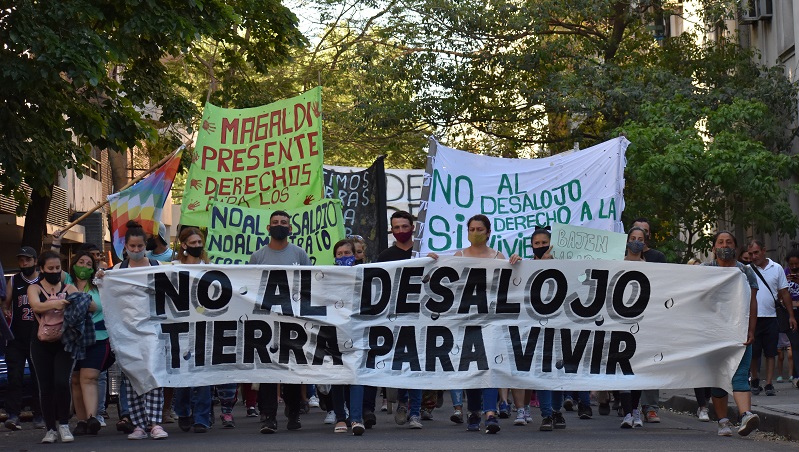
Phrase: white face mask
(137,256)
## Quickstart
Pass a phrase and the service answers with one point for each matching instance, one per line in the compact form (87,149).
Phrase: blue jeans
(124,406)
(227,397)
(457,397)
(740,380)
(583,396)
(355,402)
(194,402)
(102,385)
(482,400)
(549,401)
(415,396)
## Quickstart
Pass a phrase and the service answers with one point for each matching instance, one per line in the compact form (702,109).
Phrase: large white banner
(451,323)
(583,188)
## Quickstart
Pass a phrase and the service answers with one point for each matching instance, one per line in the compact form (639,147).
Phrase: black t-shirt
(22,319)
(653,255)
(394,253)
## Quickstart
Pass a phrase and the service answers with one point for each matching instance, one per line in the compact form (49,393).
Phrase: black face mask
(540,251)
(27,271)
(52,278)
(194,251)
(151,244)
(278,232)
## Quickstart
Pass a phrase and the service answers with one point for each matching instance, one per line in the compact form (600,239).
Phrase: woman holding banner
(193,405)
(479,230)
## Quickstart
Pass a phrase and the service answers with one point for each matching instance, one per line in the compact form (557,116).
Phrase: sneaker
(340,427)
(795,382)
(168,417)
(227,421)
(369,420)
(12,423)
(199,428)
(270,425)
(294,423)
(474,423)
(520,417)
(427,415)
(330,418)
(313,402)
(93,425)
(558,420)
(652,417)
(627,422)
(504,410)
(126,426)
(584,411)
(637,423)
(252,412)
(384,406)
(100,418)
(568,404)
(185,423)
(756,390)
(401,416)
(358,428)
(703,414)
(749,423)
(725,428)
(50,437)
(65,434)
(415,422)
(780,379)
(457,417)
(158,432)
(81,429)
(546,424)
(770,390)
(528,417)
(604,409)
(492,425)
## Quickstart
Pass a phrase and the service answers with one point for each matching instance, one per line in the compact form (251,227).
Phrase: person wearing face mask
(636,238)
(157,246)
(22,323)
(279,251)
(724,246)
(193,405)
(359,248)
(87,370)
(145,410)
(53,363)
(792,275)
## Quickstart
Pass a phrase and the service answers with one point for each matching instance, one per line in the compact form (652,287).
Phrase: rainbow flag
(143,201)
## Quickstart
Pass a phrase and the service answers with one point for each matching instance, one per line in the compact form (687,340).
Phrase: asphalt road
(675,432)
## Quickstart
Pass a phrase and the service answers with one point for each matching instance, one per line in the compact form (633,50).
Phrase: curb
(783,422)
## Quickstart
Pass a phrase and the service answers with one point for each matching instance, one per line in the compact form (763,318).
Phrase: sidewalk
(778,414)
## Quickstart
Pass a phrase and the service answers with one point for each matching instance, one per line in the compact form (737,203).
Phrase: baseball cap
(162,232)
(27,252)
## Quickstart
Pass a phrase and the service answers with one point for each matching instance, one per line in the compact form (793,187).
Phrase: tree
(83,73)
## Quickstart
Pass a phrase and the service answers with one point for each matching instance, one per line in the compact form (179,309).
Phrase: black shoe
(185,422)
(558,420)
(81,429)
(93,425)
(604,409)
(269,425)
(770,390)
(294,423)
(125,426)
(369,419)
(585,412)
(199,428)
(546,424)
(568,404)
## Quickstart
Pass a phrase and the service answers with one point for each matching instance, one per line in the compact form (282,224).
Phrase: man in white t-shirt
(773,285)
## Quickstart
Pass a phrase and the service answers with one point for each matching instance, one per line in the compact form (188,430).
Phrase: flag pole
(133,181)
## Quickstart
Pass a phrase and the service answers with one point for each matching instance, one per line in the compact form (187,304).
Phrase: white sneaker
(627,422)
(50,437)
(724,427)
(520,417)
(415,422)
(331,417)
(749,423)
(637,419)
(313,402)
(702,414)
(65,434)
(101,420)
(527,416)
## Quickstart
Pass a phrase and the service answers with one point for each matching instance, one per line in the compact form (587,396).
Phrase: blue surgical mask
(635,247)
(346,261)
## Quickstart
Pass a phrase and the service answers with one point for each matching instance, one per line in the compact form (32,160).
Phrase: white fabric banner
(583,188)
(452,323)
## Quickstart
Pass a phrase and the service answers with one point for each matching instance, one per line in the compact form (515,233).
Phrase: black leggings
(53,372)
(629,401)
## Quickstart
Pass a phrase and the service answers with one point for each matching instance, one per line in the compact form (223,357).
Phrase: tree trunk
(36,219)
(119,169)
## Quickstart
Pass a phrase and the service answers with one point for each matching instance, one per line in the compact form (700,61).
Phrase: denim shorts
(740,379)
